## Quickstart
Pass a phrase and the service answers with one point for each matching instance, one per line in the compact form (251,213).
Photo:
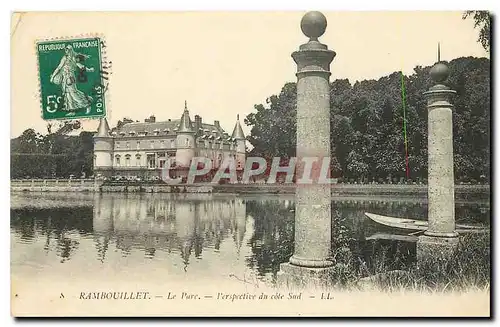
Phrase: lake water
(190,237)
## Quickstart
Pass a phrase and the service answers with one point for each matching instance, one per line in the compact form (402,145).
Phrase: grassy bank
(468,268)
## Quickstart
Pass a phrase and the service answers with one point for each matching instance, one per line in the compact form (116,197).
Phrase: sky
(224,63)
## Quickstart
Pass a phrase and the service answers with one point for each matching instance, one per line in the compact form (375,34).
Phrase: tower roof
(103,129)
(238,131)
(185,124)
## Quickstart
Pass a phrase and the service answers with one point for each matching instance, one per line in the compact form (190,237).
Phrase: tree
(28,142)
(482,19)
(367,138)
(40,156)
(273,132)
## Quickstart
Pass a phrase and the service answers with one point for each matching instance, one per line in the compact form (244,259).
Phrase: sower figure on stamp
(64,75)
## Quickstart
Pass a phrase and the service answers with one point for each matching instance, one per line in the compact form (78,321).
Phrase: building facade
(143,149)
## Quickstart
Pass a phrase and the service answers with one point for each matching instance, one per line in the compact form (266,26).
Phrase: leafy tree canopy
(482,19)
(367,124)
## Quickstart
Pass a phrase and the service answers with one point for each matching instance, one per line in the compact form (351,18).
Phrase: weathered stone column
(440,238)
(311,262)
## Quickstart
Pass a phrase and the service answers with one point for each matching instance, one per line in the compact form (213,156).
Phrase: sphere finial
(439,72)
(313,24)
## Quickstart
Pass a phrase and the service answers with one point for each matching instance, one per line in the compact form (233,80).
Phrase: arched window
(127,160)
(117,160)
(138,160)
(151,160)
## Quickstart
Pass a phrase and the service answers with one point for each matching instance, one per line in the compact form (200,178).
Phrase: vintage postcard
(225,164)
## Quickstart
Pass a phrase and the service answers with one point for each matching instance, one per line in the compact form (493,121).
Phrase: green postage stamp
(73,78)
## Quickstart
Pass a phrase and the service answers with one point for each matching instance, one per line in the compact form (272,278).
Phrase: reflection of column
(240,217)
(219,223)
(440,237)
(103,214)
(148,228)
(143,210)
(185,226)
(311,261)
(198,231)
(102,223)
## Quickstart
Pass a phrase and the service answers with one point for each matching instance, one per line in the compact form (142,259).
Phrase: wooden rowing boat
(418,225)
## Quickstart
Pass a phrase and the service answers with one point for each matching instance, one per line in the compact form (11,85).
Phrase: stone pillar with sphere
(311,262)
(440,238)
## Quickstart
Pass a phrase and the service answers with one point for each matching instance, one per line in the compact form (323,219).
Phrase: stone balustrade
(90,185)
(55,185)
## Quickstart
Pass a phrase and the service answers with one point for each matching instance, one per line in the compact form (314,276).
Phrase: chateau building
(142,149)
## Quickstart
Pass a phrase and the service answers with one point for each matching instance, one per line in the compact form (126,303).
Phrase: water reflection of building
(167,222)
(152,224)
